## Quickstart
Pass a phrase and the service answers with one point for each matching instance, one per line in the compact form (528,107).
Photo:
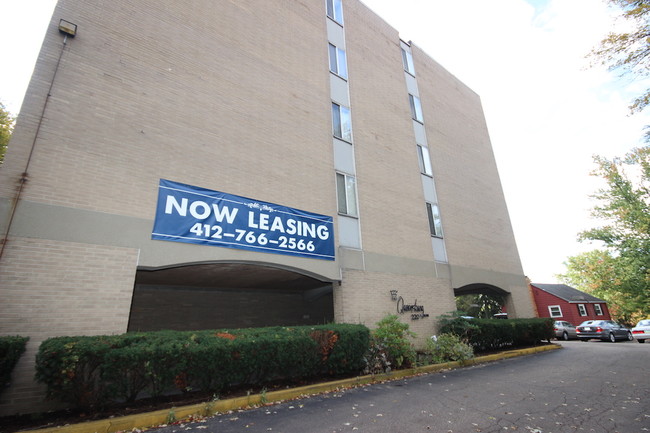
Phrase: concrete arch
(228,272)
(480,288)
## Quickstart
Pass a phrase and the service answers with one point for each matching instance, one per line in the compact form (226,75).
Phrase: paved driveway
(584,387)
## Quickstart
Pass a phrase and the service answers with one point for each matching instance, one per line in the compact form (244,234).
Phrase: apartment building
(221,164)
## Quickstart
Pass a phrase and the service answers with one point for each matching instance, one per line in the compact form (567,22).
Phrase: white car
(642,331)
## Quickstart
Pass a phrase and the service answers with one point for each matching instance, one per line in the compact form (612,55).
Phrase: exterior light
(393,295)
(67,28)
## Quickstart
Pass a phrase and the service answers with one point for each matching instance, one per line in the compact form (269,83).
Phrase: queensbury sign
(197,215)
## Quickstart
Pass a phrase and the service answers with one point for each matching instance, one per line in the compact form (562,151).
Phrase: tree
(620,272)
(6,128)
(482,306)
(629,52)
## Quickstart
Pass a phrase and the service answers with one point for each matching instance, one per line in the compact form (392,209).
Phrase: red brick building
(562,302)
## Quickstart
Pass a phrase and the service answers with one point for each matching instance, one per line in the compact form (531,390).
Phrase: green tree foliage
(629,51)
(481,305)
(620,271)
(6,128)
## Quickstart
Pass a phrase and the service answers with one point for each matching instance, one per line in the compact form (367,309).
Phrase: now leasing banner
(196,215)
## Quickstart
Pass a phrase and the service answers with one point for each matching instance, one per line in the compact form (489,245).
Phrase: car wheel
(565,336)
(629,336)
(641,341)
(612,338)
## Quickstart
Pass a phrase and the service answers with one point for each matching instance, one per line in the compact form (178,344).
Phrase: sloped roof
(567,293)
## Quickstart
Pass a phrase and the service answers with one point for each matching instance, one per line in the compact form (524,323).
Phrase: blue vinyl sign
(196,215)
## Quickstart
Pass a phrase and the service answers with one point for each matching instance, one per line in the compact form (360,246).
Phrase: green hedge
(10,350)
(94,371)
(496,334)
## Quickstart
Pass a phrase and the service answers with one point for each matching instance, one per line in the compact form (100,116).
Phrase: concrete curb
(144,420)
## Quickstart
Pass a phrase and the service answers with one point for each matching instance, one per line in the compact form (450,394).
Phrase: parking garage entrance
(228,295)
(482,300)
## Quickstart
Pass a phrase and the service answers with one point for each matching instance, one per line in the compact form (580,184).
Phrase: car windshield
(644,323)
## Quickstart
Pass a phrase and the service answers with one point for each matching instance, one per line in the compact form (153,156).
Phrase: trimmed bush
(11,348)
(497,334)
(93,371)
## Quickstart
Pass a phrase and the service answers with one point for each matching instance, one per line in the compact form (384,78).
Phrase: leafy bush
(456,323)
(71,368)
(496,334)
(376,358)
(393,336)
(93,371)
(448,347)
(11,348)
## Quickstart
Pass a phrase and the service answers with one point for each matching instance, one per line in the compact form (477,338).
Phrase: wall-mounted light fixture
(393,295)
(67,28)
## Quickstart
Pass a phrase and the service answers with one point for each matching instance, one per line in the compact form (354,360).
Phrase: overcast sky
(547,112)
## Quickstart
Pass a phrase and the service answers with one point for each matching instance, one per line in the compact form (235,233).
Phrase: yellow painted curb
(143,420)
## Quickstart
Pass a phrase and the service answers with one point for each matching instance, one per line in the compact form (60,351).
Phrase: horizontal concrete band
(45,221)
(130,422)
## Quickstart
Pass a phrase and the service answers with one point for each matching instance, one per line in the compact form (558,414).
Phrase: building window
(335,10)
(435,225)
(346,192)
(416,108)
(407,59)
(555,310)
(598,310)
(582,310)
(425,160)
(341,122)
(338,64)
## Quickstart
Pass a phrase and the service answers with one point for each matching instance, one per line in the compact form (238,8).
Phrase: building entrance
(227,295)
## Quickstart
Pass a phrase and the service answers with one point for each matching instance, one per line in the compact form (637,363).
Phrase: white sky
(547,113)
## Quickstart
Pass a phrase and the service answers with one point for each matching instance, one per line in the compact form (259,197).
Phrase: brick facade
(236,97)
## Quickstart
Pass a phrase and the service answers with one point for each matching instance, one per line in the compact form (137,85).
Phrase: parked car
(564,330)
(606,330)
(642,331)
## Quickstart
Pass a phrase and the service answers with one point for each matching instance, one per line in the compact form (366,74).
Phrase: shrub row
(95,371)
(10,350)
(495,334)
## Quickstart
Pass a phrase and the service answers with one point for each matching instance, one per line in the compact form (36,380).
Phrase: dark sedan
(606,330)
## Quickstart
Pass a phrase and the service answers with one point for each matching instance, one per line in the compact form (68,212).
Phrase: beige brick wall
(365,298)
(476,223)
(391,205)
(198,94)
(51,289)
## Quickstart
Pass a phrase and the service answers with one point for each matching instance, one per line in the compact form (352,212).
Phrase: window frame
(416,108)
(435,222)
(341,122)
(424,159)
(598,309)
(582,310)
(559,311)
(335,10)
(346,195)
(407,61)
(338,61)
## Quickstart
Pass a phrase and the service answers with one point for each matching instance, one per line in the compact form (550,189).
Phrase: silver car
(564,330)
(642,331)
(606,330)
